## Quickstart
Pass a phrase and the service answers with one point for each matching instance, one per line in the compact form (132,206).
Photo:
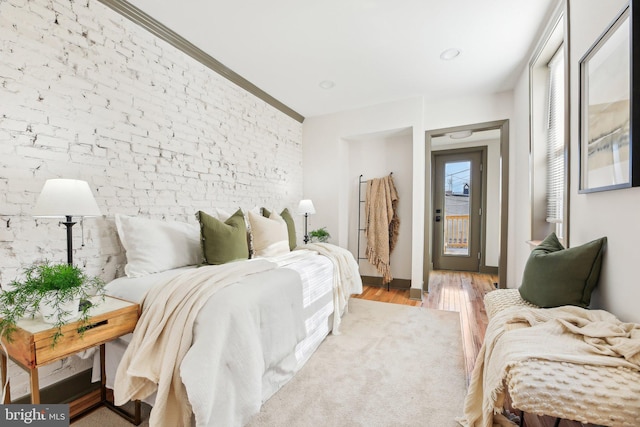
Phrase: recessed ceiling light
(327,84)
(449,54)
(460,134)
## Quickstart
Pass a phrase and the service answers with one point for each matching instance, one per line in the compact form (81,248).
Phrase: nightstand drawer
(31,344)
(100,330)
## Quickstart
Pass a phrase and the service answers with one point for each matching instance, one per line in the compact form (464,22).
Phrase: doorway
(458,201)
(495,214)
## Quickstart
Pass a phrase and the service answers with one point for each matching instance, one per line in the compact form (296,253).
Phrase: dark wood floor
(462,292)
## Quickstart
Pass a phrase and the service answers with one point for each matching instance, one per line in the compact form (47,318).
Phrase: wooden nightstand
(31,343)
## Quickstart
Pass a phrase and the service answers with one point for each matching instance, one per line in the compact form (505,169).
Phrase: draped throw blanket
(382,224)
(563,334)
(346,277)
(243,349)
(164,334)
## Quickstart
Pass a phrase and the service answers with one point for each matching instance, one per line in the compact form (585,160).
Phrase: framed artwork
(607,119)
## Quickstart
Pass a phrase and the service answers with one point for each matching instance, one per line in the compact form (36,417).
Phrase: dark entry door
(457,190)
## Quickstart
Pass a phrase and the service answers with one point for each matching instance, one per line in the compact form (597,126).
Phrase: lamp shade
(65,197)
(306,207)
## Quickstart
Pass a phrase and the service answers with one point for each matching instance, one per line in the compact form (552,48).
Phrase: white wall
(523,165)
(87,94)
(611,213)
(471,110)
(327,179)
(520,202)
(374,156)
(325,143)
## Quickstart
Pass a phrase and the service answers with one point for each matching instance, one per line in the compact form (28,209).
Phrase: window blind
(555,139)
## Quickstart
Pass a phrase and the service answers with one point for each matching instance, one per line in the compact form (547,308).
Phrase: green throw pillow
(223,242)
(555,276)
(291,226)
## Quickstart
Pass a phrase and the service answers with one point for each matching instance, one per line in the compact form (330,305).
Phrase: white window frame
(549,205)
(556,144)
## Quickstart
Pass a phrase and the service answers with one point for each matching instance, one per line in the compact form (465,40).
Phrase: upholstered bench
(586,393)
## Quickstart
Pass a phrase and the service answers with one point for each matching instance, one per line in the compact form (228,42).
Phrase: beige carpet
(393,365)
(104,417)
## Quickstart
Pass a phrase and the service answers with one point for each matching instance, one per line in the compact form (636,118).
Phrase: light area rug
(104,417)
(392,365)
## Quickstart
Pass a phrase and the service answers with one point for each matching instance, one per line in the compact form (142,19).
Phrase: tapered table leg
(5,378)
(35,386)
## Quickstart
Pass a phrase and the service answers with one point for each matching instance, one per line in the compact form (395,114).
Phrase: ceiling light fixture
(460,134)
(449,54)
(327,84)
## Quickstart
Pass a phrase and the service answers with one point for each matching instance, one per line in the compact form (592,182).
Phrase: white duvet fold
(346,277)
(213,352)
(244,347)
(163,336)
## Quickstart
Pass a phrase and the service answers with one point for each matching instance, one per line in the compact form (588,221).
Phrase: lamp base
(306,235)
(69,223)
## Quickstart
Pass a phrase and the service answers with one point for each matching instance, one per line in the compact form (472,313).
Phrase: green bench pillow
(555,276)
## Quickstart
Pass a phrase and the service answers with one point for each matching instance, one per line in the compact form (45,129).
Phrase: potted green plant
(55,291)
(320,235)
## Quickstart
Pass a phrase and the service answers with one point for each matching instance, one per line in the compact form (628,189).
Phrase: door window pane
(457,192)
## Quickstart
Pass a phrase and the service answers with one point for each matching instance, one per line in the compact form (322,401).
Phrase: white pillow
(270,235)
(221,214)
(154,245)
(224,215)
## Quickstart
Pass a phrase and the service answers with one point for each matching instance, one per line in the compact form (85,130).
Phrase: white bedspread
(243,348)
(346,277)
(229,347)
(244,344)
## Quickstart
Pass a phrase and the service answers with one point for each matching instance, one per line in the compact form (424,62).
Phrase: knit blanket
(164,335)
(346,278)
(563,334)
(381,224)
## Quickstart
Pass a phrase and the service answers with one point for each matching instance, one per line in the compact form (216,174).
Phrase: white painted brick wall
(86,94)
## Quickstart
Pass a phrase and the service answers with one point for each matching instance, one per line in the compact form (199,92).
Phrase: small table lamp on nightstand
(306,208)
(66,198)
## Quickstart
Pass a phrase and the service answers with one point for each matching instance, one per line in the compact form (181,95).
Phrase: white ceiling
(374,50)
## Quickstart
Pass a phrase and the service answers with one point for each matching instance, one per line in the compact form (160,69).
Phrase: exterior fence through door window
(456,235)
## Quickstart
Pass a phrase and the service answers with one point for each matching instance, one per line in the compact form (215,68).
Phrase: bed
(258,325)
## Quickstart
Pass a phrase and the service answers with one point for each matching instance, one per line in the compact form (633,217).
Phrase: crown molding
(161,31)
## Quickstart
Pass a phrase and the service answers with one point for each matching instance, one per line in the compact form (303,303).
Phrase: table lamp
(66,198)
(306,208)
